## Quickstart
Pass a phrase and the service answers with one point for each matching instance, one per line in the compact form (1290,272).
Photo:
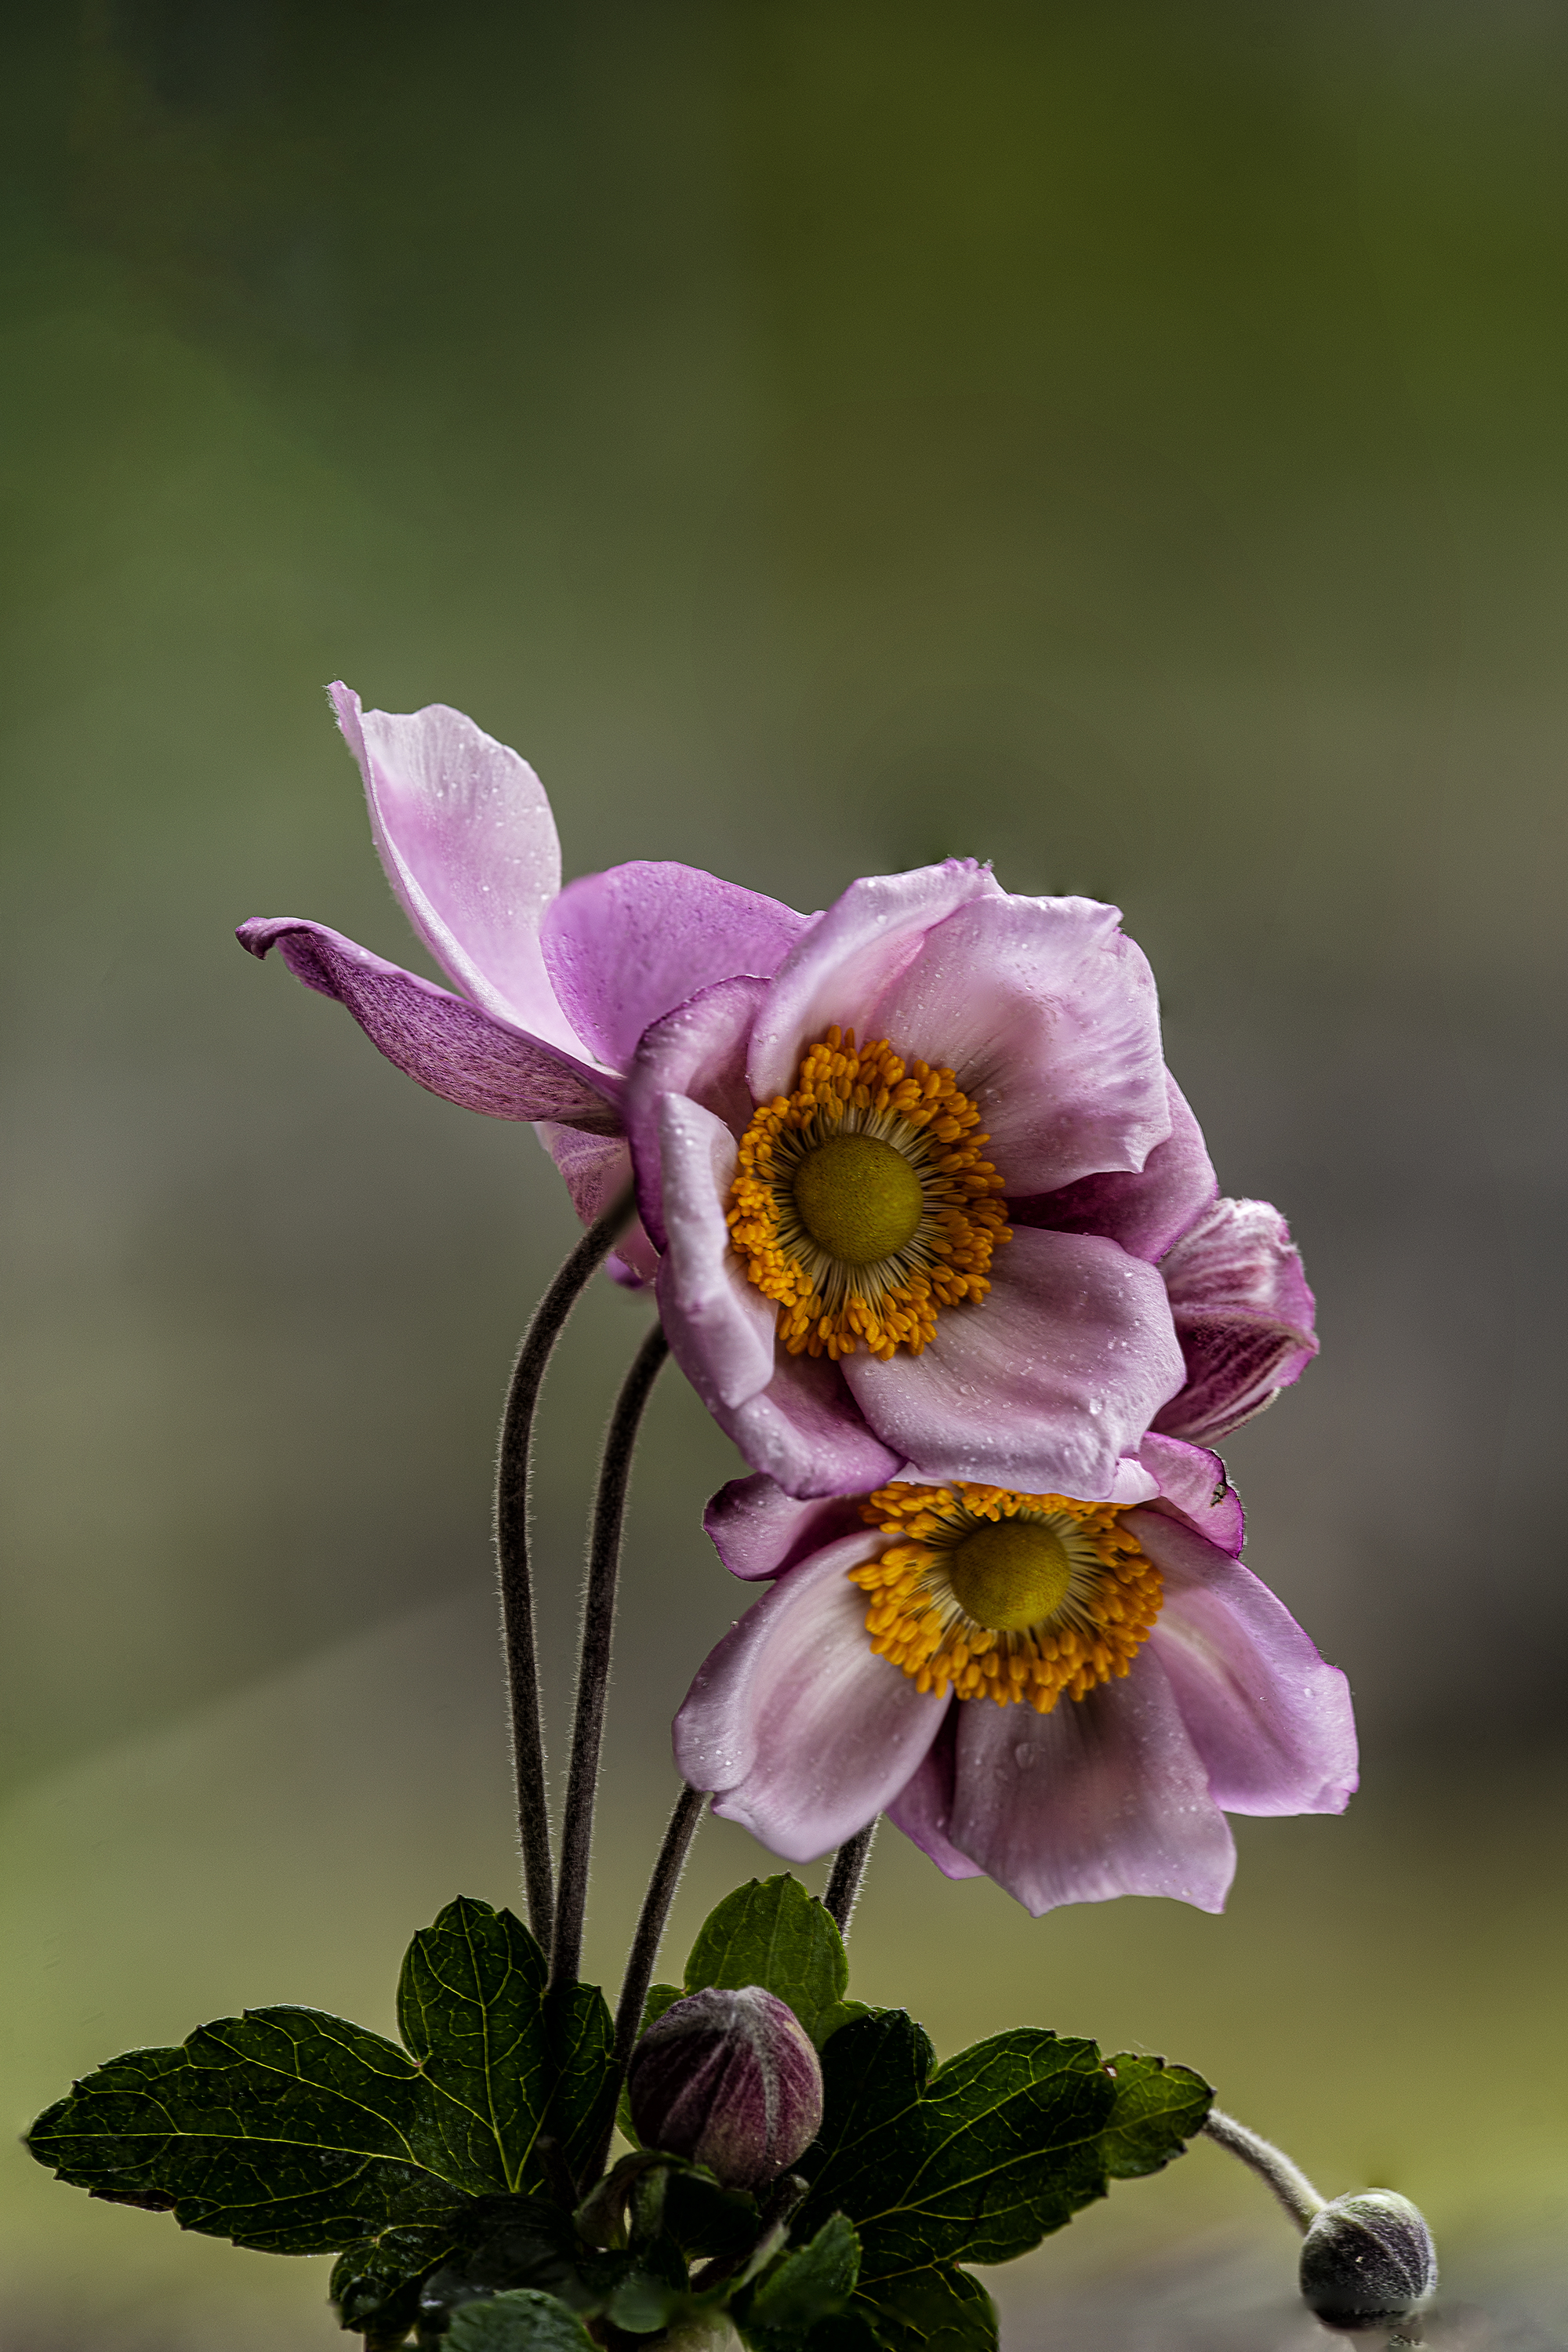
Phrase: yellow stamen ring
(863,1201)
(1004,1596)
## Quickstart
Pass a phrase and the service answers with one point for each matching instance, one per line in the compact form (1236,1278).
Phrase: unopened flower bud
(728,2080)
(1367,2260)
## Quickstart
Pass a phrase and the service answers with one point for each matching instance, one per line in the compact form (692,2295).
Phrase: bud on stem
(728,2080)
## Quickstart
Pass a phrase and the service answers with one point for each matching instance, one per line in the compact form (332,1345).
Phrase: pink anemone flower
(557,984)
(1063,1696)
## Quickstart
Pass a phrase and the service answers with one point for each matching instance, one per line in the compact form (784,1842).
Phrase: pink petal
(1245,1315)
(801,1731)
(1270,1720)
(699,1050)
(720,1326)
(1104,1796)
(923,1806)
(463,827)
(459,1051)
(1049,1017)
(849,958)
(624,948)
(805,1430)
(1191,1482)
(1146,1213)
(759,1530)
(596,1170)
(1041,1386)
(1133,1482)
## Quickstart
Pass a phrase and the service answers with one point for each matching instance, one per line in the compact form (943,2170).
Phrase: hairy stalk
(1289,2184)
(514,1463)
(594,1665)
(644,1952)
(844,1878)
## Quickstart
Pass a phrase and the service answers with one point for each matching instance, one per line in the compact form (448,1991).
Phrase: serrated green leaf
(519,2319)
(810,2284)
(976,2162)
(1157,2109)
(580,2034)
(937,2309)
(471,2009)
(285,2128)
(772,1933)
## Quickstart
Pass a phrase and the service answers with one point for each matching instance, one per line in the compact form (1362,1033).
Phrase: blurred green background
(1130,442)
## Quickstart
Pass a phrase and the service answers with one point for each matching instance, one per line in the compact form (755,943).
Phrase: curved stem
(1289,2184)
(651,1919)
(844,1878)
(512,1466)
(594,1667)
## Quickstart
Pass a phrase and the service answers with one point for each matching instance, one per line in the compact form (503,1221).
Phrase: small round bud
(728,2080)
(1367,2260)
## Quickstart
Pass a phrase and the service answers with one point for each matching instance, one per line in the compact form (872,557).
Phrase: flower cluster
(934,1235)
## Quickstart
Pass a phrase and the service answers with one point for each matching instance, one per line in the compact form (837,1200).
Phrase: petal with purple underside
(1191,1482)
(759,1530)
(453,1047)
(923,1806)
(848,959)
(463,828)
(1103,1796)
(626,947)
(805,1430)
(1048,1018)
(1145,1212)
(596,1170)
(1271,1719)
(720,1327)
(699,1050)
(800,1729)
(1044,1384)
(1245,1315)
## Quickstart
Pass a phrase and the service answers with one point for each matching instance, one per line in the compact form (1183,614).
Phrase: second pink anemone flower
(1066,1697)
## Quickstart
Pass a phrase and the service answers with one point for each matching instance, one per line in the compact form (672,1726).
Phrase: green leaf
(520,2319)
(284,2129)
(1157,2110)
(375,2282)
(812,2283)
(582,2036)
(772,1933)
(977,2161)
(938,2309)
(470,2007)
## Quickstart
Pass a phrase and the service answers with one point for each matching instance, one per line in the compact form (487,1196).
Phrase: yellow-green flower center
(858,1199)
(1010,1575)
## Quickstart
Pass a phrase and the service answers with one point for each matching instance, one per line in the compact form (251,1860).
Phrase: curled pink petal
(720,1329)
(463,828)
(1145,1212)
(801,1731)
(759,1530)
(1133,1482)
(1048,1018)
(626,947)
(456,1049)
(1104,1796)
(1044,1384)
(1271,1720)
(1245,1315)
(805,1430)
(923,1806)
(699,1050)
(849,959)
(596,1170)
(1191,1482)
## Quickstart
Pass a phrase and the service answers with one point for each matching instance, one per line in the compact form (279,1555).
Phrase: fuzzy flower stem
(1290,2185)
(593,1664)
(513,1464)
(844,1878)
(644,1952)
